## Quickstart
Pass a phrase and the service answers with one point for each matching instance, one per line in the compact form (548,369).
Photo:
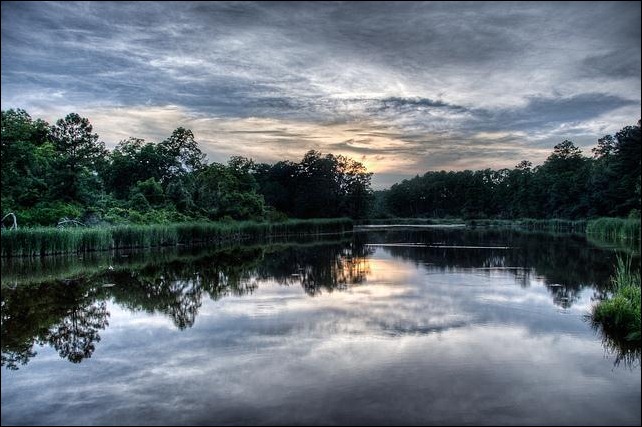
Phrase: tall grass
(410,221)
(620,314)
(49,241)
(554,225)
(615,229)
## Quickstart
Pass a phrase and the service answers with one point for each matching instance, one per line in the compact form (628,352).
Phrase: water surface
(389,327)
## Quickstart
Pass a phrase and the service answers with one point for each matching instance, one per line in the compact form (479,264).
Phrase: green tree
(152,191)
(354,187)
(627,166)
(566,177)
(278,184)
(26,159)
(78,152)
(178,194)
(318,186)
(220,191)
(182,147)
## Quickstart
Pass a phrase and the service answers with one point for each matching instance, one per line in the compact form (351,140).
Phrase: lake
(399,326)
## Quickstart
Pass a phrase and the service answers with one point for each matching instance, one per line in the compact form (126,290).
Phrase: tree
(182,147)
(152,191)
(278,184)
(78,153)
(179,196)
(615,173)
(627,166)
(220,191)
(522,199)
(135,160)
(319,186)
(566,177)
(605,147)
(26,159)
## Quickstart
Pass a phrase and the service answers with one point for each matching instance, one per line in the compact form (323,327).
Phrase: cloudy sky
(403,87)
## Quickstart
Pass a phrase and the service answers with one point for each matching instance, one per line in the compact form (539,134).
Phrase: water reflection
(625,352)
(67,315)
(566,263)
(382,328)
(62,301)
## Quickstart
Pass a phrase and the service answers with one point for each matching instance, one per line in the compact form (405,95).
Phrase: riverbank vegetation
(63,171)
(622,230)
(619,314)
(41,241)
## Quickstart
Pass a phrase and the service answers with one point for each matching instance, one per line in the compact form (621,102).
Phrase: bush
(47,214)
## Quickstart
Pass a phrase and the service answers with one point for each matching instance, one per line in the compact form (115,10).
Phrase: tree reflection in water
(68,314)
(75,336)
(566,263)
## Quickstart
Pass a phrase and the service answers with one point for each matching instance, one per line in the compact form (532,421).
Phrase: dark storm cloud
(424,71)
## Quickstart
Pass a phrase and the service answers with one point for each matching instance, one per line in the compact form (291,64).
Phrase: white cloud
(271,81)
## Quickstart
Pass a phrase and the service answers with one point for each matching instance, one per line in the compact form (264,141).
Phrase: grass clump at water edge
(615,229)
(620,314)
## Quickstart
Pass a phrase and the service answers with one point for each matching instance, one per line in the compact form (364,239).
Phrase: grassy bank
(49,241)
(552,225)
(615,229)
(410,221)
(619,315)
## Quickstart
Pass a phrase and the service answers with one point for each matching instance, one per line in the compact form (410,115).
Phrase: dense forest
(567,185)
(63,170)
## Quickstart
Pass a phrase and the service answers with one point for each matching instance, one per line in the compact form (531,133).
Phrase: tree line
(567,185)
(64,170)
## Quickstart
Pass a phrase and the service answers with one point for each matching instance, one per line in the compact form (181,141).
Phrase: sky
(403,87)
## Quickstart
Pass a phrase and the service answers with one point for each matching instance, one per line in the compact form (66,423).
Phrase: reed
(556,225)
(620,314)
(48,241)
(410,221)
(33,242)
(615,229)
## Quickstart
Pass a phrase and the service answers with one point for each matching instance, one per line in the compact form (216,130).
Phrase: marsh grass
(615,229)
(555,225)
(411,221)
(42,241)
(619,315)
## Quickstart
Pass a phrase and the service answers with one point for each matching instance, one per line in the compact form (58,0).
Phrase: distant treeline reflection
(561,261)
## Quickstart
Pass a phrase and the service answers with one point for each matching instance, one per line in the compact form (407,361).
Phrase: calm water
(389,327)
